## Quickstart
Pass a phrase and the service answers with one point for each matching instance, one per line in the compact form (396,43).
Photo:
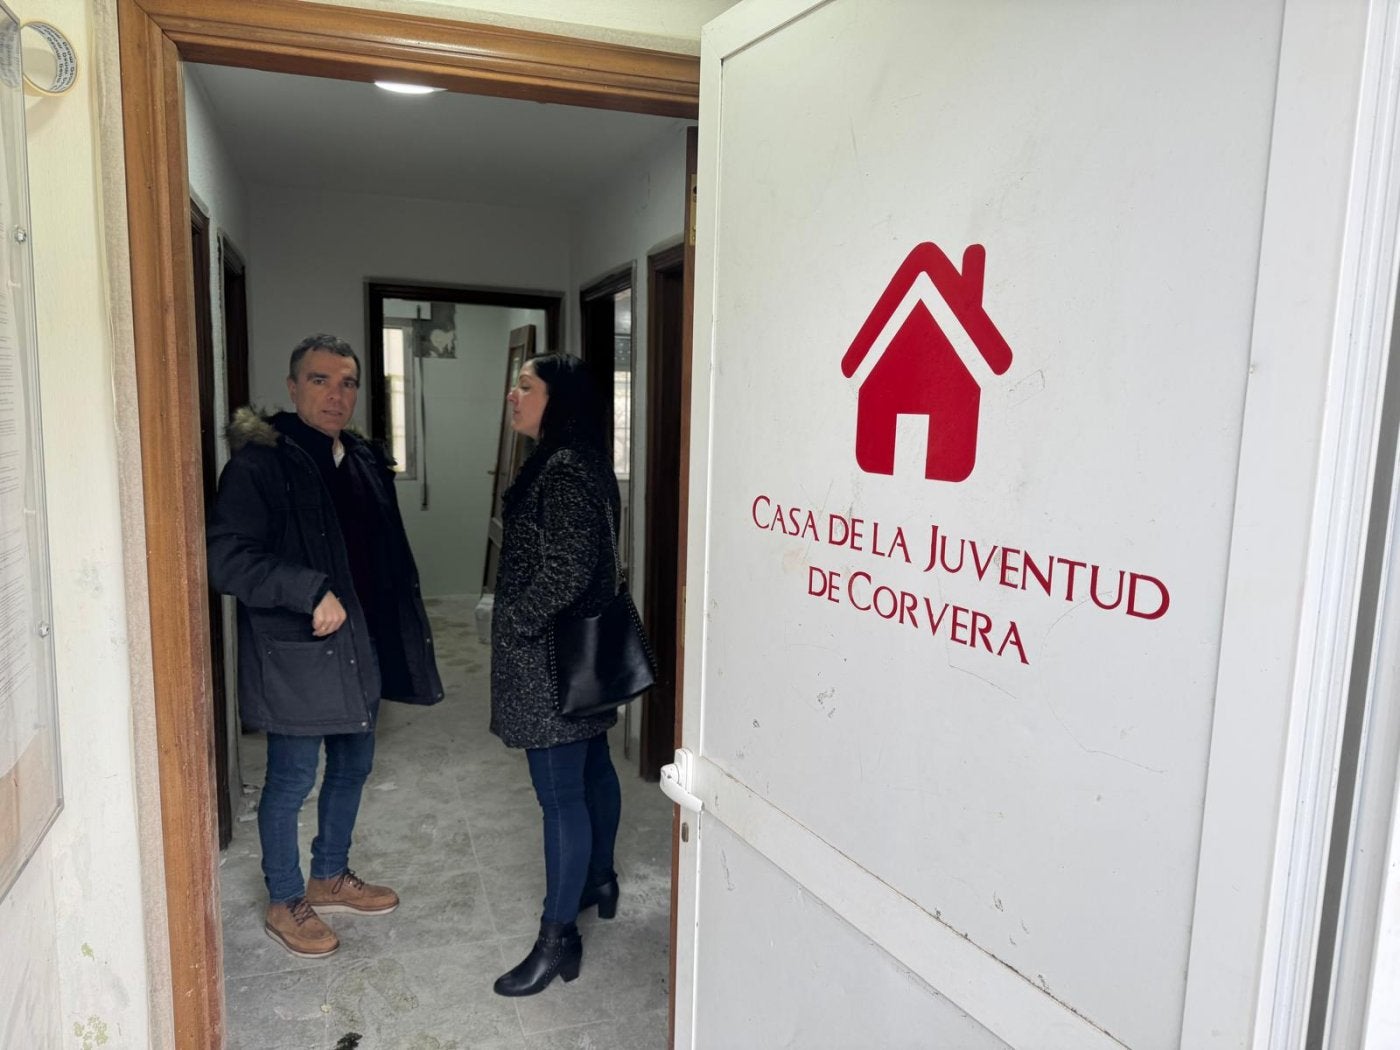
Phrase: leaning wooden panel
(157,212)
(319,40)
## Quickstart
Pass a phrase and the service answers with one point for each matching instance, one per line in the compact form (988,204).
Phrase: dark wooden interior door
(665,328)
(209,421)
(235,278)
(238,386)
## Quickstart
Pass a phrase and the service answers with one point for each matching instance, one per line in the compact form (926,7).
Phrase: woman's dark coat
(556,558)
(275,544)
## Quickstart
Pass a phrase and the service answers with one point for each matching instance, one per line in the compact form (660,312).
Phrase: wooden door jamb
(155,37)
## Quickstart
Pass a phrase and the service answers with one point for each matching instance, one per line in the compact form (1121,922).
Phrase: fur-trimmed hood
(251,427)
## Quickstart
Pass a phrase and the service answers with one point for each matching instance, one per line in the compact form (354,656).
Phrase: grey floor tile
(437,998)
(241,882)
(516,893)
(487,777)
(500,794)
(511,843)
(409,785)
(642,1032)
(282,1011)
(414,839)
(645,892)
(450,820)
(438,909)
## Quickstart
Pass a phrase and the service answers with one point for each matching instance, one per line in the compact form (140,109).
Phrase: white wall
(459,434)
(73,961)
(315,252)
(665,25)
(74,930)
(637,214)
(216,184)
(642,212)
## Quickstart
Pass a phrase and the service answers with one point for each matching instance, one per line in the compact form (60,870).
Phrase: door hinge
(677,781)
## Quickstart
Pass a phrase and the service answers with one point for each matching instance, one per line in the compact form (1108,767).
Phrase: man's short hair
(321,341)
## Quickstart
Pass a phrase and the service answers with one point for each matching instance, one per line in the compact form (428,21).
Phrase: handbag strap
(612,536)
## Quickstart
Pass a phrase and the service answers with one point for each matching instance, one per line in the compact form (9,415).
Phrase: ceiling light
(406,89)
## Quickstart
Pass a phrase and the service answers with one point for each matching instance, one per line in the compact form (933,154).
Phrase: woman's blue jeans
(582,802)
(291,774)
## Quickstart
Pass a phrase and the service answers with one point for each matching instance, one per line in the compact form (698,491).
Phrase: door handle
(676,781)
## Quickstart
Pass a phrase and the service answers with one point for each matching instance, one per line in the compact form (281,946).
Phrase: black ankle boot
(603,894)
(559,950)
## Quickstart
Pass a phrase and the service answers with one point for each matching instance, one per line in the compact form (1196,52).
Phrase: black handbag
(598,662)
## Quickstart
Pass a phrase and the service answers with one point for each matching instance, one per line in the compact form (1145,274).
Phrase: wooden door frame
(155,37)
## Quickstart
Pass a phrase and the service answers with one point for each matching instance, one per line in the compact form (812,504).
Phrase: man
(306,534)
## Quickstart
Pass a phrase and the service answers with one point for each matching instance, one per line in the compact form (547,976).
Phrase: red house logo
(920,372)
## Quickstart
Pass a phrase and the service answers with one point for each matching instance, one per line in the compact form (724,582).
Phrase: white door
(989,508)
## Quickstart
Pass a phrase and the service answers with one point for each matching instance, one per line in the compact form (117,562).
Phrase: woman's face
(527,400)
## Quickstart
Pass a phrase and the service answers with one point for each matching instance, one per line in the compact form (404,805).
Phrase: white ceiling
(286,130)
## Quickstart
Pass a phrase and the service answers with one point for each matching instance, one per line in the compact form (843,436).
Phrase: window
(401,395)
(622,384)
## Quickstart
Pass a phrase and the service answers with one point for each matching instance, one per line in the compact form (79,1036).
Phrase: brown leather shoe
(349,893)
(294,926)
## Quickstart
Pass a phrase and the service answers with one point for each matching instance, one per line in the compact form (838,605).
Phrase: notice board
(30,778)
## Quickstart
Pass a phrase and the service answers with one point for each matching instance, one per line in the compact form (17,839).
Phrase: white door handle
(676,781)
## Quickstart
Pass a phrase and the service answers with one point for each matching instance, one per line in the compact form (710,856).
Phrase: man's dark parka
(275,544)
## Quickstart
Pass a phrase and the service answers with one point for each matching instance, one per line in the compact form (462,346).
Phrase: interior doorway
(289,36)
(605,342)
(439,360)
(235,299)
(665,364)
(209,423)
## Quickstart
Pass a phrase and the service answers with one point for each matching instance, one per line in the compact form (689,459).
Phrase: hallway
(450,821)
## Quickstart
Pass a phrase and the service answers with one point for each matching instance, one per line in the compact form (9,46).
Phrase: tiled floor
(450,821)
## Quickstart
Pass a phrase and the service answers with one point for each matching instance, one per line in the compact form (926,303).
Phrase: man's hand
(328,616)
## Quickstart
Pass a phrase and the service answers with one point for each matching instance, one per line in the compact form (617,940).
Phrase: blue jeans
(291,774)
(582,802)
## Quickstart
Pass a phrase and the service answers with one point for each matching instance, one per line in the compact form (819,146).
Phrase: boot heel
(604,895)
(569,968)
(558,952)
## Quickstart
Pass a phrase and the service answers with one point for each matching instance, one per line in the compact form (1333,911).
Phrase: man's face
(324,390)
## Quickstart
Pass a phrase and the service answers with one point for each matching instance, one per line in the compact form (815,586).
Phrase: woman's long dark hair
(573,416)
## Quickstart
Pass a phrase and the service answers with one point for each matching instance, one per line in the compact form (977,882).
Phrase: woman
(557,557)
